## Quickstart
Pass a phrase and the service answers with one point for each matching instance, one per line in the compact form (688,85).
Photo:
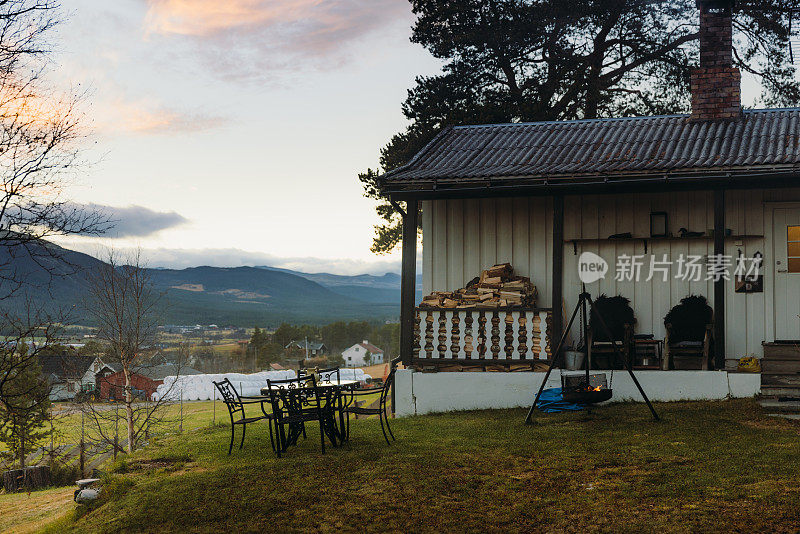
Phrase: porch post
(558,269)
(408,281)
(719,285)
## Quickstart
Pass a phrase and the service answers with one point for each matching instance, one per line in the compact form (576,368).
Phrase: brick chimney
(716,84)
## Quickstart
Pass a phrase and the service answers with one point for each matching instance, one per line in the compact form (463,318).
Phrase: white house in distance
(362,354)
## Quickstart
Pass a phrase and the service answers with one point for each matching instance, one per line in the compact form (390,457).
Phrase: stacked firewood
(496,287)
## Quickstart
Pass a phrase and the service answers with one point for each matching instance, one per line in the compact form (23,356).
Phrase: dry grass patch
(29,512)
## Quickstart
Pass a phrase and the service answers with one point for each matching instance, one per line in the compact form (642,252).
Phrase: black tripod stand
(583,299)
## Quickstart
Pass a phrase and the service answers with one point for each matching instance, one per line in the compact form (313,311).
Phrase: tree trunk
(128,407)
(29,478)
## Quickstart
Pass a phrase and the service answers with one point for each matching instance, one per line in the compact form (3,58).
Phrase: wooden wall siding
(482,334)
(461,237)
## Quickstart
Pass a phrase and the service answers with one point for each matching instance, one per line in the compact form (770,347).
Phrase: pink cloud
(121,116)
(246,38)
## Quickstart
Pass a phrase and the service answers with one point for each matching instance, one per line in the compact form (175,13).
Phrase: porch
(460,237)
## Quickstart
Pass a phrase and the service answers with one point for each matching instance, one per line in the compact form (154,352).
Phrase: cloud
(174,258)
(142,117)
(136,221)
(182,258)
(141,120)
(253,38)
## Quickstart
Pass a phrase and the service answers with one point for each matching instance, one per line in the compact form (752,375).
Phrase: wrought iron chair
(332,374)
(296,401)
(236,405)
(380,410)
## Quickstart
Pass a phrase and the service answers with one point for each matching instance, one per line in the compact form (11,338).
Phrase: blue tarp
(551,401)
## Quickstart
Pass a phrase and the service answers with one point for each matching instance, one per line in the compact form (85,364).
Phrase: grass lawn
(22,512)
(706,467)
(196,414)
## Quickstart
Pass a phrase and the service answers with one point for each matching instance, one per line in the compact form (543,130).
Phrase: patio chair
(380,410)
(689,327)
(331,374)
(619,318)
(296,401)
(236,405)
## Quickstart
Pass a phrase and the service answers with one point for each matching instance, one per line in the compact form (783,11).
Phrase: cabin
(639,199)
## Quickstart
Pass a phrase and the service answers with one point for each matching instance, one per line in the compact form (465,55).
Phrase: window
(349,358)
(793,248)
(71,387)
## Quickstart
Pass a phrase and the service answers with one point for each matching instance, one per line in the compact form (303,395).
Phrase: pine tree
(24,407)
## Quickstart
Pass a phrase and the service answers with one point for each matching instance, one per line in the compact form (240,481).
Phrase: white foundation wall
(423,393)
(462,237)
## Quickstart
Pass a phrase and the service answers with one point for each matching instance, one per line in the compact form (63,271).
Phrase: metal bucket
(573,360)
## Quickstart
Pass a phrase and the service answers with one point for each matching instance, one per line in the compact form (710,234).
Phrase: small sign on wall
(750,281)
(750,284)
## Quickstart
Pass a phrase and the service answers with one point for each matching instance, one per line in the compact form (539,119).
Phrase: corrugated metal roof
(760,140)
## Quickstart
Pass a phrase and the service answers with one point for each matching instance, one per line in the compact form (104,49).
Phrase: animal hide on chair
(616,312)
(689,319)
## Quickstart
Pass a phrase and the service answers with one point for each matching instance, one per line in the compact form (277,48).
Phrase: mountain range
(241,296)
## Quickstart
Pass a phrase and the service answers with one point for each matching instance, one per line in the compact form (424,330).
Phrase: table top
(321,384)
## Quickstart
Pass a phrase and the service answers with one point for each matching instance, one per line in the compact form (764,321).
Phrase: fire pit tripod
(586,394)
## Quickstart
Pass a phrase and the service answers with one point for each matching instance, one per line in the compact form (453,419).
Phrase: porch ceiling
(762,145)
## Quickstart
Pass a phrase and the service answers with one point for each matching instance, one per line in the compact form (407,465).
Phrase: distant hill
(241,296)
(366,287)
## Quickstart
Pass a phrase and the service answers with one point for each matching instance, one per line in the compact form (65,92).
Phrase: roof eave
(597,183)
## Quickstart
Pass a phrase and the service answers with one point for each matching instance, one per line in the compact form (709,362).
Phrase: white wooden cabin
(539,194)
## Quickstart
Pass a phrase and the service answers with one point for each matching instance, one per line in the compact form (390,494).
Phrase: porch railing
(480,336)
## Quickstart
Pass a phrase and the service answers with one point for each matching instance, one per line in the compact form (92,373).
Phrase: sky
(232,133)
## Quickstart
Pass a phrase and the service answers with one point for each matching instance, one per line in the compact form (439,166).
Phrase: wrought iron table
(333,430)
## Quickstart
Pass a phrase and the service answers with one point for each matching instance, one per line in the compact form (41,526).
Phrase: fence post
(52,431)
(83,448)
(82,458)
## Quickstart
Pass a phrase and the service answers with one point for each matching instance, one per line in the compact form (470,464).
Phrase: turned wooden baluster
(441,336)
(482,349)
(455,335)
(417,336)
(508,335)
(495,335)
(522,338)
(429,334)
(469,347)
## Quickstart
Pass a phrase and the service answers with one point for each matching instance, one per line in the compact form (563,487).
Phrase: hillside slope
(365,287)
(241,296)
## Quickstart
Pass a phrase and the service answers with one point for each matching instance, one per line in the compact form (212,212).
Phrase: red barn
(144,381)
